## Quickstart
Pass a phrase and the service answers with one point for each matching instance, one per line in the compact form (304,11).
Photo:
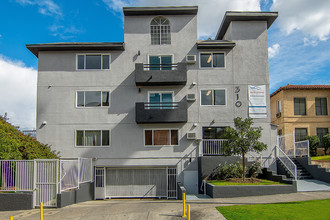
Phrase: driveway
(118,209)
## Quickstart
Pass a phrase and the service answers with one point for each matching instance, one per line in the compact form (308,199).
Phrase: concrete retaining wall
(242,191)
(180,190)
(315,170)
(16,201)
(84,193)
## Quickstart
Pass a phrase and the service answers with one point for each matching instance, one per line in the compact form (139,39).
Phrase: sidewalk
(119,209)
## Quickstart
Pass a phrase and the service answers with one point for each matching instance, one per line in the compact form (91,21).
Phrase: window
(160,31)
(321,106)
(161,137)
(89,138)
(280,132)
(93,61)
(300,134)
(213,97)
(320,132)
(214,60)
(299,106)
(279,106)
(161,100)
(213,132)
(163,62)
(93,99)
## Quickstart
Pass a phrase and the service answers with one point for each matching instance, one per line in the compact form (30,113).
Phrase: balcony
(213,147)
(165,112)
(160,74)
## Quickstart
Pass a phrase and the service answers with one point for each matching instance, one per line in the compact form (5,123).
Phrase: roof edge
(300,87)
(103,46)
(230,16)
(161,10)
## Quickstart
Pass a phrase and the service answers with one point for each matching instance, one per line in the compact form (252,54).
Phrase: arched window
(160,31)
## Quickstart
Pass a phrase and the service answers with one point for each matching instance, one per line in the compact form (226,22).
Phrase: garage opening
(141,182)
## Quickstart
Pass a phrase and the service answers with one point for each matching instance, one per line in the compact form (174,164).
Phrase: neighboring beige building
(301,110)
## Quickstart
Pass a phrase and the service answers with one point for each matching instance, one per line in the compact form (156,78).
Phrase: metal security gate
(46,180)
(136,182)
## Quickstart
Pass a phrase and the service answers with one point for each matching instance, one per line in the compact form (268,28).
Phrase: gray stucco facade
(246,63)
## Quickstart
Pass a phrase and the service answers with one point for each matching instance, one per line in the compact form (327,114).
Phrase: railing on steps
(287,162)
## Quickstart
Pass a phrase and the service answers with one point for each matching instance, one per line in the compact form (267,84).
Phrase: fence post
(184,204)
(34,195)
(78,172)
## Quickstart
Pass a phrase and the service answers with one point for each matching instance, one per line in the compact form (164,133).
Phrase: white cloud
(210,12)
(65,32)
(18,92)
(310,17)
(45,7)
(273,50)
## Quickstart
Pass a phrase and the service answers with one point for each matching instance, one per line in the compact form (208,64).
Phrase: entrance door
(99,183)
(191,181)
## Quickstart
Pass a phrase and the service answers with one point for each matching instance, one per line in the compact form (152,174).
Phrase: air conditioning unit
(191,59)
(191,97)
(191,135)
(278,114)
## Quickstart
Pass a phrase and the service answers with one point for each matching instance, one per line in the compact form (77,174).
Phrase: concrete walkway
(119,209)
(310,185)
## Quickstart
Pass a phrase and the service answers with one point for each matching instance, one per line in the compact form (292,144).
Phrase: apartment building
(301,110)
(145,109)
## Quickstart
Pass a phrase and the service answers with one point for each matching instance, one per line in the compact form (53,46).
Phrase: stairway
(302,173)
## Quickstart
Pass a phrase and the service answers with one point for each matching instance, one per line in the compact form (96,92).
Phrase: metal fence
(44,177)
(213,146)
(292,148)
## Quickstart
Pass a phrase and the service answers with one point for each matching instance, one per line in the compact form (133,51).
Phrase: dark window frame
(299,105)
(321,106)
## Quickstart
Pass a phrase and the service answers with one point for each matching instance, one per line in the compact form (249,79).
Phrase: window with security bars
(299,106)
(321,106)
(160,31)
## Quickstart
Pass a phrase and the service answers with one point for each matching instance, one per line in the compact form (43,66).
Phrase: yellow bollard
(184,204)
(188,213)
(41,212)
(11,217)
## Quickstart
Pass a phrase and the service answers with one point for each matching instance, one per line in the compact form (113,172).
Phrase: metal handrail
(294,173)
(161,66)
(161,105)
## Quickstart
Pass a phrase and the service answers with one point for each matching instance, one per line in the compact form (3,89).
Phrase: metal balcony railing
(213,146)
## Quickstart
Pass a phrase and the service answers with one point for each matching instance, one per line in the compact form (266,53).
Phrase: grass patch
(314,209)
(322,158)
(228,183)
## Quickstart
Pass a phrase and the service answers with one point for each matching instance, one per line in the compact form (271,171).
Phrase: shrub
(326,143)
(254,170)
(226,171)
(314,142)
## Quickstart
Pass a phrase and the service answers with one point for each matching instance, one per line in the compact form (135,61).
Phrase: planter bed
(248,190)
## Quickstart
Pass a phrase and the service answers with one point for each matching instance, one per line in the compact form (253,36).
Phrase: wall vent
(191,59)
(191,97)
(191,135)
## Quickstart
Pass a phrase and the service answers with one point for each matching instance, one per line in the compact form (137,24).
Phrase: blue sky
(298,41)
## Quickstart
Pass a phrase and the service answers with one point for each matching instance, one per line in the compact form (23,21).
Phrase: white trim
(84,54)
(162,129)
(200,94)
(213,52)
(75,138)
(96,107)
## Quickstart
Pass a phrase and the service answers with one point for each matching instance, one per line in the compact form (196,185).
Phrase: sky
(298,40)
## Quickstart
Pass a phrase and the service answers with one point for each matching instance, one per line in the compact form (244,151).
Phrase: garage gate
(139,182)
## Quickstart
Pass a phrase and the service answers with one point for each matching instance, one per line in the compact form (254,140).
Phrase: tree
(16,146)
(326,142)
(314,142)
(243,138)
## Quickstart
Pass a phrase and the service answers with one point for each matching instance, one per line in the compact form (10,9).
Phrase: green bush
(254,170)
(226,171)
(314,142)
(16,146)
